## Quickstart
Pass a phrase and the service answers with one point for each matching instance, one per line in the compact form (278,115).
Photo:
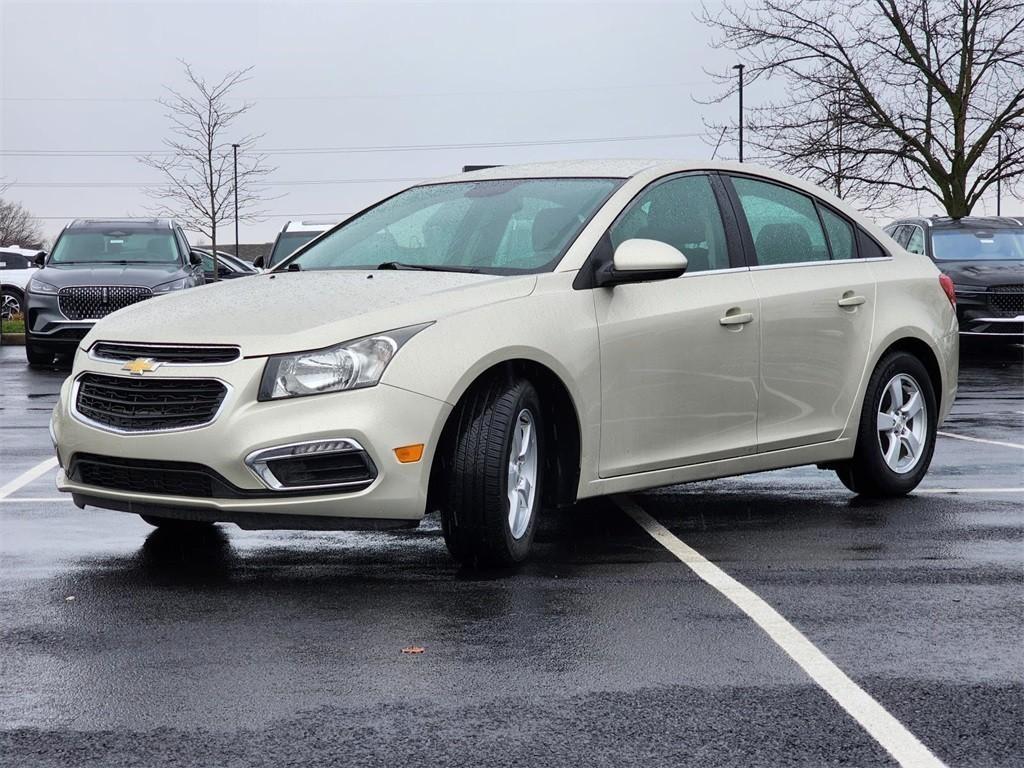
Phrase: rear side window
(682,212)
(783,224)
(915,243)
(840,234)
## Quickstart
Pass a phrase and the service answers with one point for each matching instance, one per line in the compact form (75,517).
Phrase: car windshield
(979,245)
(499,227)
(288,243)
(135,246)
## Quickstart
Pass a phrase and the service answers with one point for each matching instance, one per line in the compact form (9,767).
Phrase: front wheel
(12,304)
(37,357)
(896,437)
(495,471)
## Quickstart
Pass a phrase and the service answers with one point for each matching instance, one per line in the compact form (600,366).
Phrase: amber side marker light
(409,454)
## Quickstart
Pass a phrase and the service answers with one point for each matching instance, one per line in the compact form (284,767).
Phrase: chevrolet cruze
(515,339)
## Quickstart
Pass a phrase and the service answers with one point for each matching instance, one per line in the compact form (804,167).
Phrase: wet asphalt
(125,646)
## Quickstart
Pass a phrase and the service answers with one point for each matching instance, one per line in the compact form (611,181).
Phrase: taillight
(947,286)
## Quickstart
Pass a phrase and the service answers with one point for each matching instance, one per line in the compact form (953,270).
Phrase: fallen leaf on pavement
(413,649)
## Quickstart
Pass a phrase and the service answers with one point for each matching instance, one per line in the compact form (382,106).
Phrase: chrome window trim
(818,263)
(78,416)
(702,272)
(256,462)
(141,346)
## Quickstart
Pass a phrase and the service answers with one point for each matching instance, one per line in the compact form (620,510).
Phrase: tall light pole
(999,180)
(234,149)
(740,68)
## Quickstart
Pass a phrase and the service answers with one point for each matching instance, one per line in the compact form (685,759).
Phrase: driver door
(678,386)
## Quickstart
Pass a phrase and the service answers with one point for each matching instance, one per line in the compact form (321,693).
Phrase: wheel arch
(561,424)
(917,345)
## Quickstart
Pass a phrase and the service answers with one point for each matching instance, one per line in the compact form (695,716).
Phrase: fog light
(332,463)
(409,454)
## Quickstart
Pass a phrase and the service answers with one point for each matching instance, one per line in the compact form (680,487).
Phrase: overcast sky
(83,76)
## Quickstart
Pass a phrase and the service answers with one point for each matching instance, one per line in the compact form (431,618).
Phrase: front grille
(1006,300)
(171,479)
(139,405)
(165,353)
(92,302)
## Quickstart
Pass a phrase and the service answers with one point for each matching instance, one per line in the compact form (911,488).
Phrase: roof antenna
(721,136)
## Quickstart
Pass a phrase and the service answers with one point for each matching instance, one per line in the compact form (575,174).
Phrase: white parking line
(37,499)
(873,717)
(981,440)
(27,477)
(968,490)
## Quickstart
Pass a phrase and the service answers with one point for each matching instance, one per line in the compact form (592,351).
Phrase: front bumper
(987,313)
(48,328)
(379,419)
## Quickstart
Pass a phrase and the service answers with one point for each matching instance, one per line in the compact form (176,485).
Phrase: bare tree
(17,225)
(886,97)
(197,169)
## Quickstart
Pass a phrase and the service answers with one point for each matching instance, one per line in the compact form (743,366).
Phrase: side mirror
(258,262)
(639,260)
(195,258)
(40,260)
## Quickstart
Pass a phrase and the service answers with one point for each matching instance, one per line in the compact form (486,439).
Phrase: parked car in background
(293,235)
(984,257)
(517,338)
(228,266)
(17,265)
(97,267)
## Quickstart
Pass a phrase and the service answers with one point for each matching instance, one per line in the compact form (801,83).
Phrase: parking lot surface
(122,645)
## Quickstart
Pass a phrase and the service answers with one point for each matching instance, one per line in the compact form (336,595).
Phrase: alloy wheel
(522,474)
(902,423)
(11,306)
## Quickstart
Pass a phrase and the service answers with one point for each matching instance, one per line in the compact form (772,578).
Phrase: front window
(114,246)
(500,227)
(978,245)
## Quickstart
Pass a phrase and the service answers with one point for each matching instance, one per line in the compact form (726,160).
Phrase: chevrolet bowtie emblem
(140,365)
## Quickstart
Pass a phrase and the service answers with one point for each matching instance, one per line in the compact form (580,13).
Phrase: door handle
(850,300)
(736,318)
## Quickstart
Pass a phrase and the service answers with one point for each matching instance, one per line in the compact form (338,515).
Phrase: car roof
(310,225)
(126,224)
(18,250)
(967,222)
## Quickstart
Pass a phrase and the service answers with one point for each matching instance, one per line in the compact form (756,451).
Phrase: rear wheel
(492,493)
(896,437)
(172,523)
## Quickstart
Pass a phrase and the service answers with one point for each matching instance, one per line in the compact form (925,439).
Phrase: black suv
(984,256)
(97,267)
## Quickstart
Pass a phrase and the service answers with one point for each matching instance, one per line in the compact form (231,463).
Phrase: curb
(13,339)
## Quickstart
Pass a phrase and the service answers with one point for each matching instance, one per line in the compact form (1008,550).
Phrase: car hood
(984,273)
(145,275)
(292,311)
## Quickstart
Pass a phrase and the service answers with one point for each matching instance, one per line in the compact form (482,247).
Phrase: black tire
(37,357)
(867,473)
(474,501)
(172,523)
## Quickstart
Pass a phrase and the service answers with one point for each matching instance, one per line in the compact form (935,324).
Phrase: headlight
(174,285)
(351,365)
(35,285)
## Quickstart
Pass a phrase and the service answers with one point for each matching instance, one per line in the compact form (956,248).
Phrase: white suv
(517,338)
(17,265)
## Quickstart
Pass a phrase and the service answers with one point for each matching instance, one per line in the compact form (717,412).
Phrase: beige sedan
(514,339)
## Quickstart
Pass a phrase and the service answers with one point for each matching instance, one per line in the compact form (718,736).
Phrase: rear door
(678,386)
(817,302)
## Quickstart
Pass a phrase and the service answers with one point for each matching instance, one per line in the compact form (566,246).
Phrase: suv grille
(1006,300)
(180,355)
(92,302)
(139,405)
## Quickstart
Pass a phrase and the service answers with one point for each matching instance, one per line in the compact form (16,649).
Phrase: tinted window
(135,246)
(682,212)
(915,242)
(840,234)
(288,243)
(902,234)
(503,226)
(783,224)
(978,245)
(13,261)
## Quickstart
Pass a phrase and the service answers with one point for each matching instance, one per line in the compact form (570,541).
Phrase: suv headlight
(35,285)
(173,285)
(351,365)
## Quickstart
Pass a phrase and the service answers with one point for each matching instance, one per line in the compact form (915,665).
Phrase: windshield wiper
(426,267)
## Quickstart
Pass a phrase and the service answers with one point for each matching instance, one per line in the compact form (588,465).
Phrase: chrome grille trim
(94,302)
(170,355)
